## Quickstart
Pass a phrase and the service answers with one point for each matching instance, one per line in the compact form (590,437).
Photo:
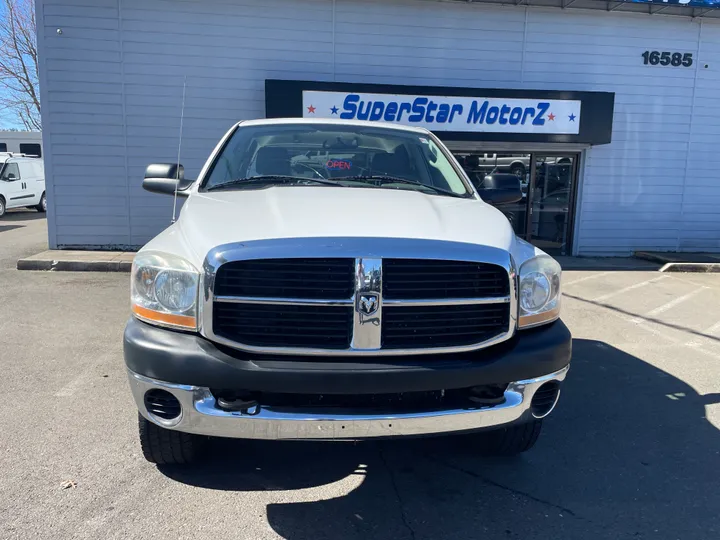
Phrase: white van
(22,183)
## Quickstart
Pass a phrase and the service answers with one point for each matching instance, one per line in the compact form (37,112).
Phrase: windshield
(333,155)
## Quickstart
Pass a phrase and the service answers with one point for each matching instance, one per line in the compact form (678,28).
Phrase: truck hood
(211,219)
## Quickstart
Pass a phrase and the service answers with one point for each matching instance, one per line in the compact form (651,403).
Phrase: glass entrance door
(548,181)
(551,201)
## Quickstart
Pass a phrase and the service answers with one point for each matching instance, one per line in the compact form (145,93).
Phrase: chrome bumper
(201,416)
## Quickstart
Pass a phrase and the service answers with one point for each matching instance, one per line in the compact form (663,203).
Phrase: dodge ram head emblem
(368,304)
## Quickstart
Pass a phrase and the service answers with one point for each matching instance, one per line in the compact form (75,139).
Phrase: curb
(704,268)
(74,266)
(610,267)
(679,266)
(642,255)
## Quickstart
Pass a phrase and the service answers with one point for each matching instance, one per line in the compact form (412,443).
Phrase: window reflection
(478,165)
(551,203)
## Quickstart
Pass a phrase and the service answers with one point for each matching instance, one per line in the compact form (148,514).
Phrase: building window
(31,149)
(3,147)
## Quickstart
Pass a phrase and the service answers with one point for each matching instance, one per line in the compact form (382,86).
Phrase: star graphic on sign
(334,109)
(551,117)
(311,109)
(572,117)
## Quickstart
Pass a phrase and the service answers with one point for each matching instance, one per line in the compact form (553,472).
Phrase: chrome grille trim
(351,301)
(282,301)
(366,332)
(367,327)
(449,302)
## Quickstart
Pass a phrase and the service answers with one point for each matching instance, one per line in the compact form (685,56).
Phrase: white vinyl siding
(113,88)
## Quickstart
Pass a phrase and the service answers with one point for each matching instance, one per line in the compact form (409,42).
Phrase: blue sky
(7,121)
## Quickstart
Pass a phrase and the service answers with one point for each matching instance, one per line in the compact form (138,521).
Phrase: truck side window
(3,147)
(10,173)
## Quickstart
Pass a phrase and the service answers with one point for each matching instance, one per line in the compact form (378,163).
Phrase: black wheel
(42,207)
(510,440)
(518,169)
(2,207)
(168,447)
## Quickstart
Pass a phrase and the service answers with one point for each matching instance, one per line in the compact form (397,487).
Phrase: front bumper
(191,368)
(189,359)
(201,416)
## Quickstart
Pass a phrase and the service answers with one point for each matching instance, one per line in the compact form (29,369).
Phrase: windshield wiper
(264,179)
(382,179)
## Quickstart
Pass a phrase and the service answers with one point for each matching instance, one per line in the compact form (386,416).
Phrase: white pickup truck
(340,280)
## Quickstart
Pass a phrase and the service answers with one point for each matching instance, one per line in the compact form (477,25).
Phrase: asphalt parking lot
(633,450)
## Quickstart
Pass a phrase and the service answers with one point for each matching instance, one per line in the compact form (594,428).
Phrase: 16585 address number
(667,58)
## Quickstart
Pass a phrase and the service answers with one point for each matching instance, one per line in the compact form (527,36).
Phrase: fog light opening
(162,405)
(545,399)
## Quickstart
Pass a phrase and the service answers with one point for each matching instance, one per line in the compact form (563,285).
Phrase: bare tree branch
(19,92)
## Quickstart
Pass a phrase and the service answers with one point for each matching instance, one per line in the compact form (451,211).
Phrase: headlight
(539,292)
(164,290)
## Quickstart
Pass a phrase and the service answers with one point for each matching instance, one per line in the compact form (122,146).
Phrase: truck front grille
(324,327)
(287,278)
(355,306)
(414,279)
(442,326)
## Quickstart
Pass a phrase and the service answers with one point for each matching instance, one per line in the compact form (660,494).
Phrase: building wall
(112,86)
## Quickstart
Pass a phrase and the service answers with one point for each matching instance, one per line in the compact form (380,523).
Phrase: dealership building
(607,112)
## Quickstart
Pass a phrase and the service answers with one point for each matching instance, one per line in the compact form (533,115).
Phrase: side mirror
(500,188)
(165,178)
(11,177)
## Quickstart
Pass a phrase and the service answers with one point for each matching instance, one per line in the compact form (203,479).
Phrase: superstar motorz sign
(448,113)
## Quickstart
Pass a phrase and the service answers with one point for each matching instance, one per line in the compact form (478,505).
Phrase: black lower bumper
(191,359)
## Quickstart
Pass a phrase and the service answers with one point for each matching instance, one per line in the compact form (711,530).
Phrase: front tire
(42,207)
(167,447)
(2,207)
(510,440)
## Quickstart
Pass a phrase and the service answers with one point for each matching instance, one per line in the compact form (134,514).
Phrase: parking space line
(709,332)
(712,283)
(651,329)
(669,305)
(630,288)
(593,276)
(72,387)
